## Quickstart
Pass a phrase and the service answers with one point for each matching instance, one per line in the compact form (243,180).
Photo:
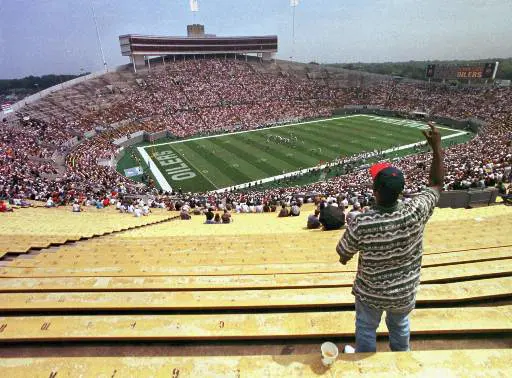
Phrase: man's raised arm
(433,137)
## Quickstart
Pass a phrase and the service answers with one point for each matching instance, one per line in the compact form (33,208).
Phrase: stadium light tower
(98,35)
(293,4)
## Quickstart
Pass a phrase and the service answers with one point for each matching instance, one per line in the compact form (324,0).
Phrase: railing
(461,199)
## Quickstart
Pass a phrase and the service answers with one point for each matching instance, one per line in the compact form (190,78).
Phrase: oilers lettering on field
(174,166)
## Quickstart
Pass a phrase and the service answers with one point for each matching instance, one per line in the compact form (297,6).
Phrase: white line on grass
(197,170)
(154,169)
(305,170)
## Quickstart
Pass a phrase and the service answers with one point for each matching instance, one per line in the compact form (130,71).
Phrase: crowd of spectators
(190,97)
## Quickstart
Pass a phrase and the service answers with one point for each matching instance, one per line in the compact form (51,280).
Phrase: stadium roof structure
(137,47)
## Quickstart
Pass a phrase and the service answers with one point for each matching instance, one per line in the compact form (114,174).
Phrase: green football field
(217,162)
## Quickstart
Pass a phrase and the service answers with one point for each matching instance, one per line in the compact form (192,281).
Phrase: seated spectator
(507,199)
(356,209)
(209,216)
(226,217)
(295,210)
(4,207)
(184,215)
(76,207)
(25,204)
(332,217)
(502,189)
(145,210)
(283,212)
(137,212)
(313,221)
(217,219)
(50,203)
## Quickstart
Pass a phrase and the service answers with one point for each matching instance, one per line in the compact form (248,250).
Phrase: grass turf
(231,159)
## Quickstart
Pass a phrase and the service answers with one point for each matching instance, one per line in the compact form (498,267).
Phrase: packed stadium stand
(109,294)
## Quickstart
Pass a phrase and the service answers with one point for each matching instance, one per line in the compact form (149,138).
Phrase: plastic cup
(329,353)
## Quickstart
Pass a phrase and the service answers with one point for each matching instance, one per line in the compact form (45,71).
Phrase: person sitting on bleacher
(76,207)
(209,216)
(4,207)
(389,238)
(283,212)
(507,198)
(226,217)
(332,216)
(50,203)
(313,221)
(295,210)
(356,209)
(137,212)
(184,215)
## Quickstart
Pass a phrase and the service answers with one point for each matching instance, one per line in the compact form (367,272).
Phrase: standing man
(389,239)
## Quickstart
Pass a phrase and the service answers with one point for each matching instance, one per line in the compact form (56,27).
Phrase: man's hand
(433,136)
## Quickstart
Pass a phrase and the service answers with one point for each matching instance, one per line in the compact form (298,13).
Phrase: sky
(58,36)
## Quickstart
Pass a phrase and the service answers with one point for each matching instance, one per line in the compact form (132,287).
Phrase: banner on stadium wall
(194,6)
(132,172)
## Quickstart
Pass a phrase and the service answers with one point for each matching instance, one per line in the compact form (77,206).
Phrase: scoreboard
(462,72)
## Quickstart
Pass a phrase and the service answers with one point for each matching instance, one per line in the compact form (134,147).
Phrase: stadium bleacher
(259,278)
(58,226)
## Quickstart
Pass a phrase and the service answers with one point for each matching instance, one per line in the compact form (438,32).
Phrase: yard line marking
(154,169)
(182,155)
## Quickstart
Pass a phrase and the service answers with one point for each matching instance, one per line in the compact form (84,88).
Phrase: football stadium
(211,208)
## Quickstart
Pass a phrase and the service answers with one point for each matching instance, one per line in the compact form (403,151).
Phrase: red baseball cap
(376,168)
(387,178)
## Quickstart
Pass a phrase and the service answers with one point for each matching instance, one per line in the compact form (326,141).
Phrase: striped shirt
(390,242)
